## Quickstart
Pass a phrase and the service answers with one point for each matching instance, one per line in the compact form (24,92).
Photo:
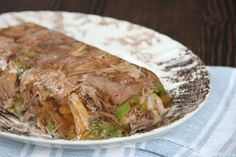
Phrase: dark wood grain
(208,27)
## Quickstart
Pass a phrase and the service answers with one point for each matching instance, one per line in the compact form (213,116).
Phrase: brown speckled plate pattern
(183,74)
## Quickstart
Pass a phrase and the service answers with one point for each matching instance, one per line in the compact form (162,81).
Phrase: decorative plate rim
(136,136)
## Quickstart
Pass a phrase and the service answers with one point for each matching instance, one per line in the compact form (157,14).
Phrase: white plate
(183,74)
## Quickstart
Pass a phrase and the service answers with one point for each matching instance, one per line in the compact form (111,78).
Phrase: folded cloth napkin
(210,132)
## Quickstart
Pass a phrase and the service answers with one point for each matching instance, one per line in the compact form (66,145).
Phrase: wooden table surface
(208,27)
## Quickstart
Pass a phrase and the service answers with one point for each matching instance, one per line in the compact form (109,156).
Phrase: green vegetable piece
(50,126)
(123,109)
(108,130)
(104,130)
(17,108)
(159,89)
(135,100)
(32,54)
(23,69)
(143,106)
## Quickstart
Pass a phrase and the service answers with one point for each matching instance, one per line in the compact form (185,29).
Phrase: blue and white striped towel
(210,132)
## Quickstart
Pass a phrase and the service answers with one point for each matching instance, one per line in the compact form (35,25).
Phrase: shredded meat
(47,83)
